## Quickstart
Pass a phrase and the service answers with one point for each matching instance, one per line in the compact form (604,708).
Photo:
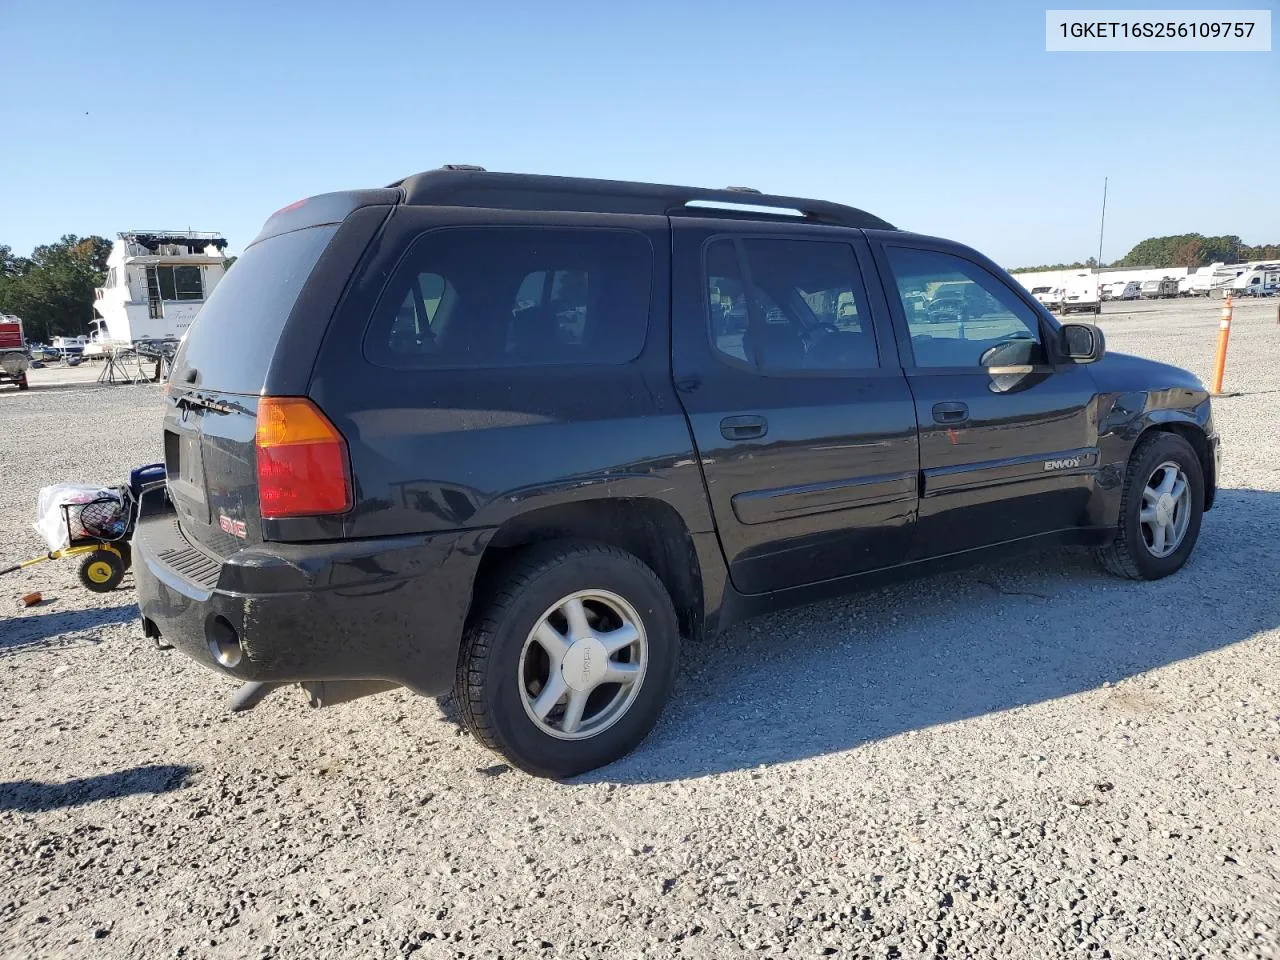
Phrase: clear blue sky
(947,118)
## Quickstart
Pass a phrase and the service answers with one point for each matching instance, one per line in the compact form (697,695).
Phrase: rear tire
(1136,553)
(521,644)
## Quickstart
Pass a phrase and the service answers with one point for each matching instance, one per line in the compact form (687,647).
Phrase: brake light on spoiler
(303,470)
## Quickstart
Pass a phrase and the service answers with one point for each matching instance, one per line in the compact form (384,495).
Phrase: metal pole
(1102,226)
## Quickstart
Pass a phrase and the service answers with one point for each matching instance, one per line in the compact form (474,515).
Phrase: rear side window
(234,336)
(515,296)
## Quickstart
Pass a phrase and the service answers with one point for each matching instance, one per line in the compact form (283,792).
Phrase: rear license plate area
(184,467)
(172,455)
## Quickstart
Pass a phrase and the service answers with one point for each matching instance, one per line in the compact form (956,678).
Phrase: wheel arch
(649,529)
(1194,434)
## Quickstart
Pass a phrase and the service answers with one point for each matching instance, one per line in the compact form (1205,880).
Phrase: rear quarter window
(234,337)
(514,296)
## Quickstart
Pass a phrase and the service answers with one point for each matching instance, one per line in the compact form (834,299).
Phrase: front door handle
(952,411)
(747,427)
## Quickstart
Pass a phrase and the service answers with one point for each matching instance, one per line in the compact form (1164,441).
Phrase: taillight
(302,460)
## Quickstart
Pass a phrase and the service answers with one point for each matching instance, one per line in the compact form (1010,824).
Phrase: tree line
(1179,250)
(52,290)
(1195,250)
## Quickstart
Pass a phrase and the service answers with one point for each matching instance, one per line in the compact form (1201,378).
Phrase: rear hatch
(219,374)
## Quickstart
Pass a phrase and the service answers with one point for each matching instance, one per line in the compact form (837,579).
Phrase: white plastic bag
(51,521)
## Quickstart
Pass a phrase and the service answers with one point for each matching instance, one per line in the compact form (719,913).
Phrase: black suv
(513,437)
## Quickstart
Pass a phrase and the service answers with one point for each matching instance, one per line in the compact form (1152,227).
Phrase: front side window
(515,296)
(785,306)
(957,312)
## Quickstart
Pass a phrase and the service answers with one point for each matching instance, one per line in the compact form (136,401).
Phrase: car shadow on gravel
(31,796)
(47,630)
(830,677)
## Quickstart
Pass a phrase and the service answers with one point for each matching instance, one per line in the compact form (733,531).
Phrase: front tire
(569,660)
(1160,511)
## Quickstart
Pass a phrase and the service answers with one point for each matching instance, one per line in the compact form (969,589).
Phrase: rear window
(515,296)
(235,334)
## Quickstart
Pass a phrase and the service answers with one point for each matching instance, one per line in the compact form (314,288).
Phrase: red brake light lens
(302,460)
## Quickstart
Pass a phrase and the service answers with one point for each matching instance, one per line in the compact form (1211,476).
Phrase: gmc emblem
(234,527)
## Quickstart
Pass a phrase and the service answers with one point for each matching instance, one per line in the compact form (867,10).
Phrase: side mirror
(1083,342)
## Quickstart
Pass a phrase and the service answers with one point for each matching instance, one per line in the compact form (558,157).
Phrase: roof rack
(461,185)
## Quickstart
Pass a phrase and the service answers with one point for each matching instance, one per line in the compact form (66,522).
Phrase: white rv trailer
(1198,282)
(1262,280)
(1124,290)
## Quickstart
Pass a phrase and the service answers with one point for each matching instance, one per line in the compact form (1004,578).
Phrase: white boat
(157,281)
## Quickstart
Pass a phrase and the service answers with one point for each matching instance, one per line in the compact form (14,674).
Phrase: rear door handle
(952,411)
(747,427)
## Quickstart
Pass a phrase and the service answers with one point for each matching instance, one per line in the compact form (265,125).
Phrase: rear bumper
(388,609)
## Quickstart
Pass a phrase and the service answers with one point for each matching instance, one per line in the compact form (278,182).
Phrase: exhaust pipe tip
(224,643)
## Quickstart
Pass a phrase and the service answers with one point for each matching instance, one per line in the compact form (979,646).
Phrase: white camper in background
(1260,281)
(1081,294)
(1208,281)
(1121,290)
(1159,289)
(1197,283)
(1224,275)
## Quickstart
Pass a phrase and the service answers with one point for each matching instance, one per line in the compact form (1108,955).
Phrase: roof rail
(452,186)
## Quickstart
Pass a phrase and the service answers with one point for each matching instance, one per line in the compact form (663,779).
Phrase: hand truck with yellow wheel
(101,570)
(98,528)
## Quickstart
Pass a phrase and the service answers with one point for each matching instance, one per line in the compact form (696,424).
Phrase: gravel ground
(1025,760)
